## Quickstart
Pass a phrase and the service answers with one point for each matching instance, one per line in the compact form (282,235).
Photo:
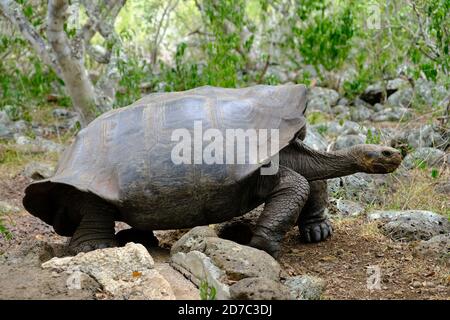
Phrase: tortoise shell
(124,156)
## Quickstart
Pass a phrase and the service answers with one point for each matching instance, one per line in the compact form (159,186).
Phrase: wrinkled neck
(319,165)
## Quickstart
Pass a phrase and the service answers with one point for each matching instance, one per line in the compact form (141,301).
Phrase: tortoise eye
(386,153)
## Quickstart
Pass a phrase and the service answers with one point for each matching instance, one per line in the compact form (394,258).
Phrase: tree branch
(101,20)
(14,14)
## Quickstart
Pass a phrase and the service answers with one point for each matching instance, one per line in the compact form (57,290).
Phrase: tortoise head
(377,159)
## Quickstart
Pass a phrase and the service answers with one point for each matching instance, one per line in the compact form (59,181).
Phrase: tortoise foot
(316,231)
(90,245)
(146,238)
(270,246)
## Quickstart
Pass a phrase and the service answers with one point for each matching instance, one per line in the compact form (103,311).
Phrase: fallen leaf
(136,274)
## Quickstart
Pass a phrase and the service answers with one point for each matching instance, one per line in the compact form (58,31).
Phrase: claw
(271,247)
(306,234)
(325,231)
(316,232)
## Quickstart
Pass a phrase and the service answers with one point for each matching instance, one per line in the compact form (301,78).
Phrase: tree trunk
(66,56)
(76,80)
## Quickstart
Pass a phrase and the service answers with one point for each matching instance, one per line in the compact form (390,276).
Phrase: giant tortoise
(120,168)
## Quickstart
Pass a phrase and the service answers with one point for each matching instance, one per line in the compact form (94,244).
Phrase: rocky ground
(393,228)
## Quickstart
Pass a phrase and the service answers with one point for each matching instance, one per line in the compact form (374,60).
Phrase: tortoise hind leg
(96,229)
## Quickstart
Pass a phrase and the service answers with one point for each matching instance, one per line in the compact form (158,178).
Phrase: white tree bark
(66,56)
(74,74)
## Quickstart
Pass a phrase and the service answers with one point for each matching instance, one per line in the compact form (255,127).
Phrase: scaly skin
(96,229)
(314,165)
(312,222)
(283,203)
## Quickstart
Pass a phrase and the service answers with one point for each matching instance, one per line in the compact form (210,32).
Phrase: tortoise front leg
(287,196)
(96,229)
(312,223)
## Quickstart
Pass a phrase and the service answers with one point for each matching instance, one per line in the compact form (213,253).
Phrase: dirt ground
(344,261)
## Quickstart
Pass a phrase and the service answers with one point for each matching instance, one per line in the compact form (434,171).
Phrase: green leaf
(434,173)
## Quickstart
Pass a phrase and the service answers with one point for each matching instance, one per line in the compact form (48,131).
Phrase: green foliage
(434,173)
(238,43)
(326,40)
(224,19)
(207,292)
(373,137)
(4,231)
(316,117)
(322,129)
(183,75)
(420,164)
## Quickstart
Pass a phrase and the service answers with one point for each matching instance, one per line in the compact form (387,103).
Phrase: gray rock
(38,171)
(396,84)
(346,141)
(346,208)
(334,128)
(20,126)
(402,98)
(39,144)
(8,128)
(220,262)
(428,156)
(314,139)
(425,136)
(360,113)
(321,99)
(6,132)
(410,225)
(50,146)
(198,267)
(377,107)
(240,261)
(437,247)
(278,72)
(429,92)
(23,140)
(343,102)
(61,113)
(192,239)
(306,287)
(361,187)
(68,119)
(182,287)
(4,118)
(125,273)
(342,111)
(361,103)
(259,289)
(391,114)
(43,130)
(350,127)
